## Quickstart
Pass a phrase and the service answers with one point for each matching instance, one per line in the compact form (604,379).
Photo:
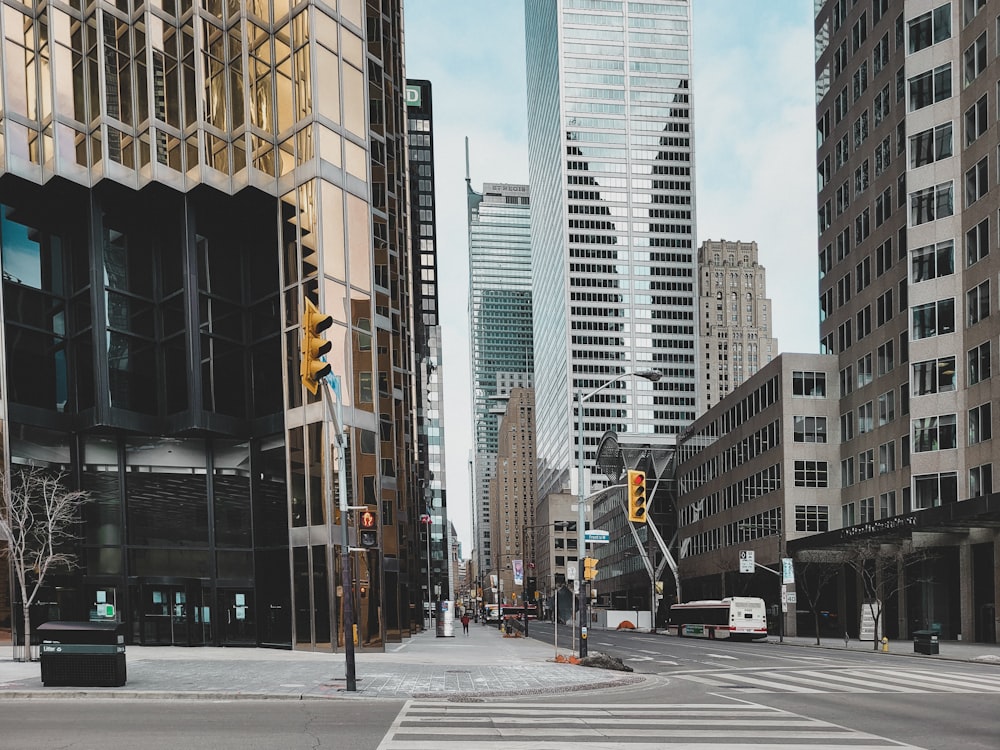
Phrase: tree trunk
(816,623)
(26,654)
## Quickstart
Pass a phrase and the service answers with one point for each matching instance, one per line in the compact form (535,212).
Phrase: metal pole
(430,594)
(581,522)
(346,579)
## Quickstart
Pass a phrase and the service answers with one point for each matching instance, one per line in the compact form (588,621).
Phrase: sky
(755,167)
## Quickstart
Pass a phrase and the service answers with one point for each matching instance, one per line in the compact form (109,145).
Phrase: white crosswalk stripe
(844,680)
(442,725)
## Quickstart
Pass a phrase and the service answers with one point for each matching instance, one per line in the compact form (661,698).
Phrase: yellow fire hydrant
(885,645)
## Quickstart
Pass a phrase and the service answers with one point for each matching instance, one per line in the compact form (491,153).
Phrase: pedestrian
(465,623)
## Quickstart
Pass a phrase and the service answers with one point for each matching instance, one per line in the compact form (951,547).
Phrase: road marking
(730,725)
(721,656)
(843,680)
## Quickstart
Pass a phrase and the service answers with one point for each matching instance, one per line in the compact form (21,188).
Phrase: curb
(980,659)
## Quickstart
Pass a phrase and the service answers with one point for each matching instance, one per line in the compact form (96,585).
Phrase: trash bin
(82,654)
(925,642)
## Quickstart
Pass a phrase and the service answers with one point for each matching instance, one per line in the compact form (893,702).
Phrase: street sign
(746,560)
(571,572)
(787,570)
(790,596)
(596,536)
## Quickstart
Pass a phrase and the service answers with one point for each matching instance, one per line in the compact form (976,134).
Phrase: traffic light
(312,368)
(637,496)
(367,529)
(589,568)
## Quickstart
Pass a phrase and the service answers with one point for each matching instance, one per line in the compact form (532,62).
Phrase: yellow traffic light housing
(312,368)
(636,496)
(589,568)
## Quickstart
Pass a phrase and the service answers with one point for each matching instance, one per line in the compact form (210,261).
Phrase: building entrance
(174,612)
(237,624)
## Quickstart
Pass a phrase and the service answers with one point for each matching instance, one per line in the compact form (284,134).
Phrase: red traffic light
(637,477)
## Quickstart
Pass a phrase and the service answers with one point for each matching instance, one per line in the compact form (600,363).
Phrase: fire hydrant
(885,645)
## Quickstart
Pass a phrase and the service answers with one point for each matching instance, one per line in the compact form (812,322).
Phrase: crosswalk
(442,725)
(844,680)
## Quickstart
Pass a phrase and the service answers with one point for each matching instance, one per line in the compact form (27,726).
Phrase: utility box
(925,642)
(82,654)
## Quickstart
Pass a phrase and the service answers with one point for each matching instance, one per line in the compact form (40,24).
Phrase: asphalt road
(718,694)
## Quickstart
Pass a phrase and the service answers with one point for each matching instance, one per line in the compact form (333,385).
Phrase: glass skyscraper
(179,177)
(610,150)
(500,324)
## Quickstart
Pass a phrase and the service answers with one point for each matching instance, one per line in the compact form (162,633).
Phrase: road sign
(746,560)
(596,536)
(790,596)
(787,570)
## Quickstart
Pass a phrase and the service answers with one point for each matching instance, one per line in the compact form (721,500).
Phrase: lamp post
(650,375)
(425,520)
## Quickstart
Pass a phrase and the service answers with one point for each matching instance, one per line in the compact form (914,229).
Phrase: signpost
(746,560)
(596,536)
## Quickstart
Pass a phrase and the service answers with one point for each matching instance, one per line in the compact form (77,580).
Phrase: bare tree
(869,559)
(37,516)
(811,577)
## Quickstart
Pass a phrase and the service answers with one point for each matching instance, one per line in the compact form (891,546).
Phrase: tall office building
(430,468)
(735,317)
(610,151)
(178,179)
(500,325)
(906,111)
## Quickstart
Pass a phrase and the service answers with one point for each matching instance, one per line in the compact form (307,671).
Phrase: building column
(967,615)
(996,585)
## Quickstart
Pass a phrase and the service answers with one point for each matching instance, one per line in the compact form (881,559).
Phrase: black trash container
(925,642)
(82,654)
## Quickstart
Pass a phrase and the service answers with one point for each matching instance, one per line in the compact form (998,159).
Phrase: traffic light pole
(346,579)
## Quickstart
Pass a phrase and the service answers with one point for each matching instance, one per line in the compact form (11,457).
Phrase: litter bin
(82,654)
(925,642)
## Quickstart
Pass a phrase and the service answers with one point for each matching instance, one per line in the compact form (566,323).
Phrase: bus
(738,617)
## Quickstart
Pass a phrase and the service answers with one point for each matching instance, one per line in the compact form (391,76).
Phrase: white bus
(738,617)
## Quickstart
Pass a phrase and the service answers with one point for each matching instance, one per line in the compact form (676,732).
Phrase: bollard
(885,645)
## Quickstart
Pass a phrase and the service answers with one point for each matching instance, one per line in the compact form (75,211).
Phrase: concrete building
(512,495)
(756,470)
(178,180)
(429,371)
(500,329)
(907,221)
(612,228)
(735,316)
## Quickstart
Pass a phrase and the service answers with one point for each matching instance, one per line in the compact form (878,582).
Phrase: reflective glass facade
(500,325)
(610,147)
(178,176)
(427,327)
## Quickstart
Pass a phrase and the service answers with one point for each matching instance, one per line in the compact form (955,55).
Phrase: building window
(929,28)
(887,504)
(866,417)
(979,363)
(809,429)
(932,261)
(932,203)
(933,319)
(976,121)
(935,433)
(813,518)
(930,145)
(846,380)
(811,384)
(887,457)
(977,242)
(865,370)
(977,181)
(977,303)
(980,423)
(934,376)
(981,480)
(847,426)
(885,358)
(886,408)
(811,474)
(970,9)
(932,490)
(867,509)
(847,515)
(975,59)
(930,87)
(866,465)
(847,472)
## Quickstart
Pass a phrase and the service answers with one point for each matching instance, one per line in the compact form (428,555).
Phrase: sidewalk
(483,663)
(947,650)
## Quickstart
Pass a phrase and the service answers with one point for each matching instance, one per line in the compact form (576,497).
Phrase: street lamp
(650,375)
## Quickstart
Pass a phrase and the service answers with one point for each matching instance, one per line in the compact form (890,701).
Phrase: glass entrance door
(171,614)
(237,623)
